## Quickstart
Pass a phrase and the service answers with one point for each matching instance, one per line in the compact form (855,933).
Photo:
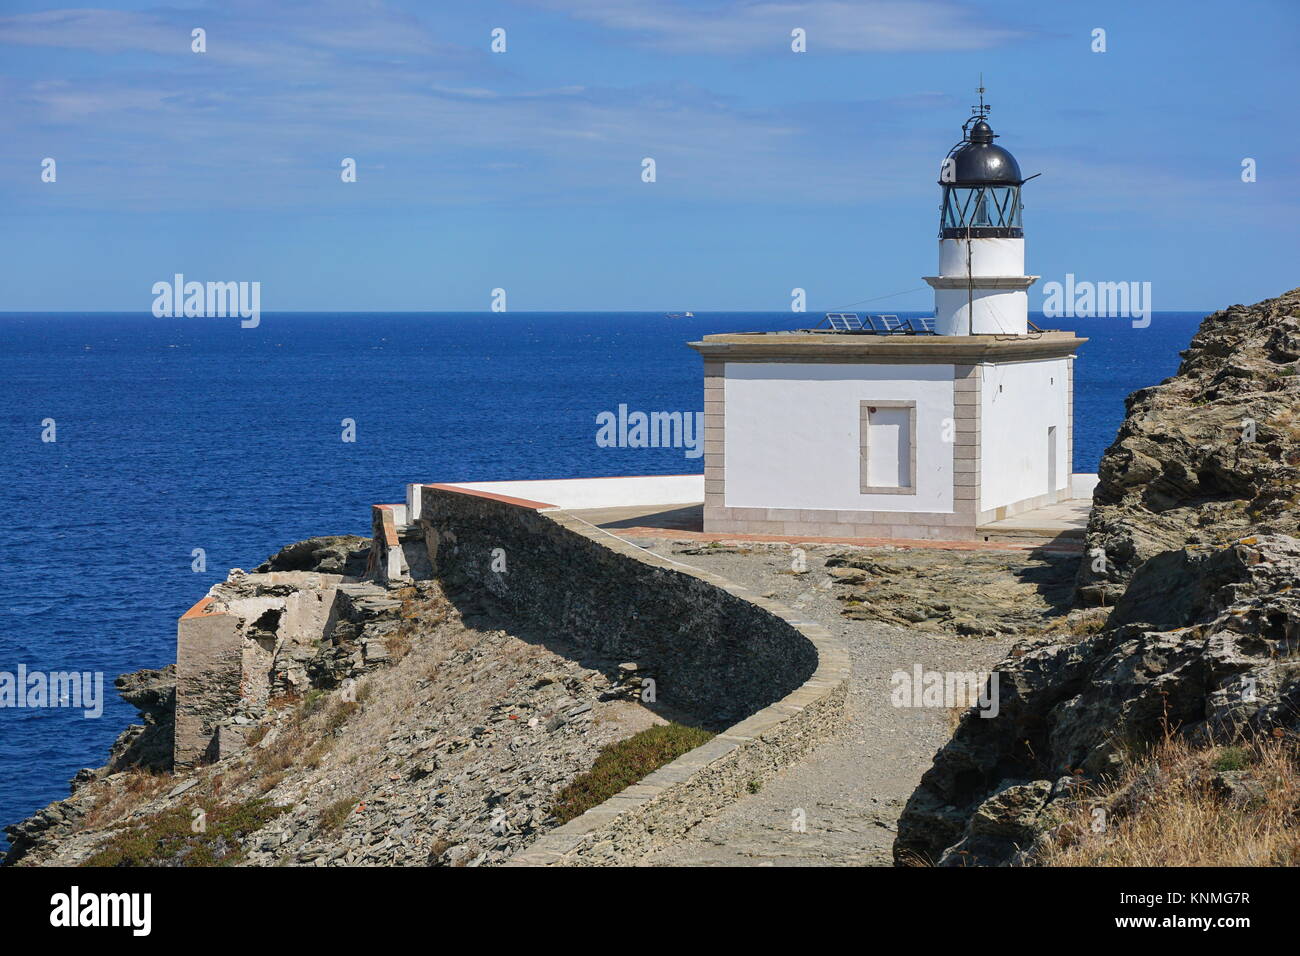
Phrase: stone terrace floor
(1059,526)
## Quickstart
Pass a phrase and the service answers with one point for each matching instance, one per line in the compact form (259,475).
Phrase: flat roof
(851,347)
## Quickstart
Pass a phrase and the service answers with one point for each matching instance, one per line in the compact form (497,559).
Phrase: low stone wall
(773,683)
(397,552)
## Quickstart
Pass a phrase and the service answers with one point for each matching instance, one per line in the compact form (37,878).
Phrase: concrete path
(852,788)
(682,522)
(1061,522)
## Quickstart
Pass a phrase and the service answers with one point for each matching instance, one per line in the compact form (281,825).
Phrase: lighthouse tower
(981,288)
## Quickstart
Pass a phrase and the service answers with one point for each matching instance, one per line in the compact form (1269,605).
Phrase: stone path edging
(668,802)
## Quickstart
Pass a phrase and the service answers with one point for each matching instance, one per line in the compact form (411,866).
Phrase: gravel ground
(853,788)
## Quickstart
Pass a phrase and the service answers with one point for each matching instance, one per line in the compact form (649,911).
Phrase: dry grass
(438,847)
(176,837)
(119,797)
(1289,421)
(335,815)
(314,757)
(419,616)
(1181,805)
(1079,625)
(954,715)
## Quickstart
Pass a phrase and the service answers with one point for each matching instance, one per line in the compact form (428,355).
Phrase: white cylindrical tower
(981,288)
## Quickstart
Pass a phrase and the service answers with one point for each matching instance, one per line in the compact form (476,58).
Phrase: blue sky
(522,169)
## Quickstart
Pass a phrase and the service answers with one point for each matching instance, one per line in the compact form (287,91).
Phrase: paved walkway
(1065,521)
(1056,526)
(852,788)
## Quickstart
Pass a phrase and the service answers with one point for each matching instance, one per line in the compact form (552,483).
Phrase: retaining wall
(772,682)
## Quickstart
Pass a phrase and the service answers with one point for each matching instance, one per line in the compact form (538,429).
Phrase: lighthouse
(981,288)
(877,427)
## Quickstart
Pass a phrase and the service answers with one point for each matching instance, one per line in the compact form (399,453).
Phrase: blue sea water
(176,434)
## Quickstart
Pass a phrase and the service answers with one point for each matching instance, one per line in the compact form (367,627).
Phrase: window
(983,211)
(888,448)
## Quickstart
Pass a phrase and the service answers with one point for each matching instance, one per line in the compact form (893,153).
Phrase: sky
(523,170)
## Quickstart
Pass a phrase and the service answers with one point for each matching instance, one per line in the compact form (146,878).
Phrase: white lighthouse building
(869,426)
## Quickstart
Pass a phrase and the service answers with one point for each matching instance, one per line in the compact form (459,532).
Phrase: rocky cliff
(449,750)
(450,719)
(1207,456)
(1194,542)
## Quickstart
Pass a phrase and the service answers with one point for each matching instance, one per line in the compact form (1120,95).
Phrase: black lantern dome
(979,162)
(981,185)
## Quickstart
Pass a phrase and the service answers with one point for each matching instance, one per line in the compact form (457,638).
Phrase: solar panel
(888,324)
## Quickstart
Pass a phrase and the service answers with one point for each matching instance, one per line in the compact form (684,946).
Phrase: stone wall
(711,653)
(209,650)
(772,683)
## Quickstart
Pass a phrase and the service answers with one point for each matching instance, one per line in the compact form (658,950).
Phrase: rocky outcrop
(957,592)
(344,554)
(1207,456)
(388,730)
(147,746)
(286,635)
(1193,542)
(262,637)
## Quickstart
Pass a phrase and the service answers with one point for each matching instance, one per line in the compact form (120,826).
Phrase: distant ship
(679,315)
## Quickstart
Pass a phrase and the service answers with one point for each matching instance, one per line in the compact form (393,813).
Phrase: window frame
(864,447)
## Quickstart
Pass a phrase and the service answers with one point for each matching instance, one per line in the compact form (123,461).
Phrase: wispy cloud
(264,117)
(239,33)
(743,26)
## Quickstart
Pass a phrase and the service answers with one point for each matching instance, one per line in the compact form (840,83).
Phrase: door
(1051,465)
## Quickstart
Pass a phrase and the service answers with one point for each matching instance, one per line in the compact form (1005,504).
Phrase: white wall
(988,257)
(1082,485)
(793,434)
(997,311)
(1013,430)
(600,492)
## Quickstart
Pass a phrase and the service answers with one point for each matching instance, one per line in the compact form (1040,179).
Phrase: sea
(145,457)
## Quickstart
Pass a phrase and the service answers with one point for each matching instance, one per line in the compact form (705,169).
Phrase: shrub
(168,838)
(621,764)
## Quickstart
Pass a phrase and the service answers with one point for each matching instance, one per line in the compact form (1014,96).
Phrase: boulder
(328,554)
